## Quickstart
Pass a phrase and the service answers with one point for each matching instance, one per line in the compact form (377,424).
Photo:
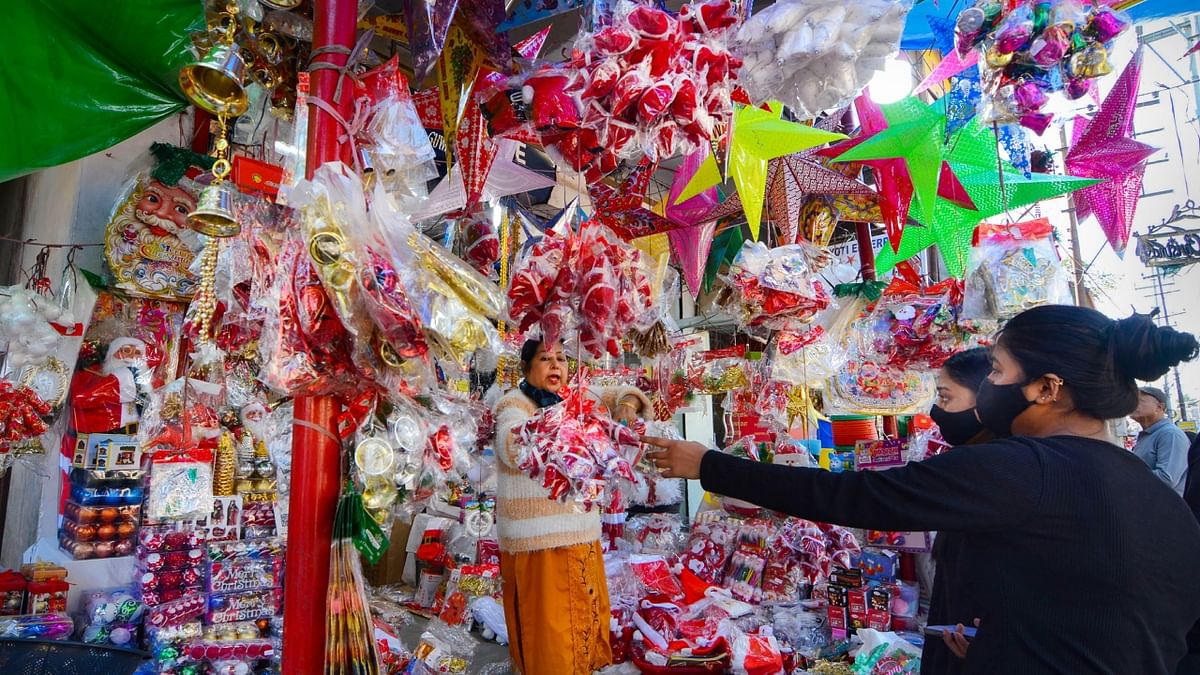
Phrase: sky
(1166,118)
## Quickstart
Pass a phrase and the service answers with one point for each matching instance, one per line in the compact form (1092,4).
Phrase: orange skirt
(556,607)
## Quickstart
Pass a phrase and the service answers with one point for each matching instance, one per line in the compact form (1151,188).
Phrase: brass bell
(214,212)
(216,83)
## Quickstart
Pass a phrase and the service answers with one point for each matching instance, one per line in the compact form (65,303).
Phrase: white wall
(70,203)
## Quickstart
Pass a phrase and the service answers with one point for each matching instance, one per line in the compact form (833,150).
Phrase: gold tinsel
(224,465)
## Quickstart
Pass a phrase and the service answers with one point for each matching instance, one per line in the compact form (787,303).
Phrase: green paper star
(724,249)
(915,134)
(972,155)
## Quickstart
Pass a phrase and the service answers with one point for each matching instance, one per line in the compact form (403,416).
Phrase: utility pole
(1161,292)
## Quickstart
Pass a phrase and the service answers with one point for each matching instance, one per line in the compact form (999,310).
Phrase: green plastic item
(79,76)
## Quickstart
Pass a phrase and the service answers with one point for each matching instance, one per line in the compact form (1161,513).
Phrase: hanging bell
(214,212)
(216,83)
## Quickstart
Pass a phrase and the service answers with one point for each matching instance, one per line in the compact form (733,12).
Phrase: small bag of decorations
(396,146)
(776,286)
(1013,267)
(180,484)
(914,325)
(719,370)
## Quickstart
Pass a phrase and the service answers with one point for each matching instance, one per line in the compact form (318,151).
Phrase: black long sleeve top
(1077,558)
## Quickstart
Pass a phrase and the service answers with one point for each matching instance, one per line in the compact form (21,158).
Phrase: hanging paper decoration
(1016,147)
(759,136)
(623,210)
(973,156)
(457,68)
(789,180)
(505,178)
(428,25)
(691,245)
(915,133)
(690,210)
(1105,148)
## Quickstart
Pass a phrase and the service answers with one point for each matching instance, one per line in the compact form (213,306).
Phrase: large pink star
(1104,148)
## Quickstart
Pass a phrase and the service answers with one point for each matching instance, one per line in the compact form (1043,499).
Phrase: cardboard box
(839,620)
(857,600)
(909,542)
(878,565)
(879,620)
(390,568)
(839,596)
(880,454)
(851,578)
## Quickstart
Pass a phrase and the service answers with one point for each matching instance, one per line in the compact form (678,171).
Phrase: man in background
(1161,445)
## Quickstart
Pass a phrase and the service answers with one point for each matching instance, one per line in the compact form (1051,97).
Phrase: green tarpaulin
(79,76)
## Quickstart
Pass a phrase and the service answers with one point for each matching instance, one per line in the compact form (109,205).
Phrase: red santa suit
(105,400)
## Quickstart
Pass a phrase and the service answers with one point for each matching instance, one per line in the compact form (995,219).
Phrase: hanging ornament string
(38,281)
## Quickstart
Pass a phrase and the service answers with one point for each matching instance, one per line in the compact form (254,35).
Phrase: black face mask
(957,427)
(998,405)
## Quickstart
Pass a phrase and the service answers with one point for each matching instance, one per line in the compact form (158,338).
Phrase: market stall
(275,419)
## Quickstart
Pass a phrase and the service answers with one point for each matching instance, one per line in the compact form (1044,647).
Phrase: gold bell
(214,212)
(215,83)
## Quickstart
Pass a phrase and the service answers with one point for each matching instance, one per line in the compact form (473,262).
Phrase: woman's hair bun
(1145,351)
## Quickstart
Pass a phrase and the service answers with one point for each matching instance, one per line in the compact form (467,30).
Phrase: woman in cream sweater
(555,591)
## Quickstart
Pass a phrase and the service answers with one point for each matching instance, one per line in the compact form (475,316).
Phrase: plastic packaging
(1012,268)
(180,485)
(54,626)
(817,56)
(912,325)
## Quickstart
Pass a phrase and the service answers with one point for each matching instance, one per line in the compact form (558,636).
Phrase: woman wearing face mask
(954,413)
(1077,560)
(555,592)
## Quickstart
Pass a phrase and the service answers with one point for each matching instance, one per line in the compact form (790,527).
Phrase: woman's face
(548,370)
(952,396)
(1005,369)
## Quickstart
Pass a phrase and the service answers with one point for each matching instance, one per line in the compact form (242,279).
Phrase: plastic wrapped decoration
(1031,50)
(55,626)
(480,243)
(590,281)
(804,359)
(183,411)
(112,617)
(775,287)
(646,82)
(912,325)
(719,370)
(575,451)
(396,144)
(456,305)
(817,56)
(180,486)
(650,488)
(1012,268)
(708,549)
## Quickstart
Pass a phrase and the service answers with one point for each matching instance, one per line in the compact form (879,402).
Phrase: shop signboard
(1169,249)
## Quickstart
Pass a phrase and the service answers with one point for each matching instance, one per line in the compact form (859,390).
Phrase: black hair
(1097,357)
(970,367)
(528,351)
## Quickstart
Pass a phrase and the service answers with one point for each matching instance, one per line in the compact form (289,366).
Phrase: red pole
(316,453)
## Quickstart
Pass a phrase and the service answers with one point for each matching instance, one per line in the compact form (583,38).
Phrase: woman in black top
(955,416)
(1076,558)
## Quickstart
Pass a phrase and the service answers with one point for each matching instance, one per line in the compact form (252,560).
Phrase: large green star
(915,133)
(972,155)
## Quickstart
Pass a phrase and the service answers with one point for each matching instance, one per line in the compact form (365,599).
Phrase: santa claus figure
(148,244)
(106,399)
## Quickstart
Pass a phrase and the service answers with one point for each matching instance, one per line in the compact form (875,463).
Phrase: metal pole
(1166,320)
(1081,295)
(316,452)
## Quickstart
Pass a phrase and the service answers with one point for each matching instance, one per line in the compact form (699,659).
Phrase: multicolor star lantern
(1104,148)
(892,183)
(725,248)
(973,157)
(623,209)
(474,149)
(692,237)
(756,137)
(789,179)
(915,133)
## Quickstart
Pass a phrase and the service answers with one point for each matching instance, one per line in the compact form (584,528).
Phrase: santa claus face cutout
(148,244)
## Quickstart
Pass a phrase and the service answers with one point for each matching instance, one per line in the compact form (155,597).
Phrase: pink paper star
(1104,148)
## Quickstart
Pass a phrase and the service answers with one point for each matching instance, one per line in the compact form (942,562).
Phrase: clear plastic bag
(180,485)
(1014,268)
(817,56)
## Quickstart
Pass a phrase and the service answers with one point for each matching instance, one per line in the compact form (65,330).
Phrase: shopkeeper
(555,591)
(1077,559)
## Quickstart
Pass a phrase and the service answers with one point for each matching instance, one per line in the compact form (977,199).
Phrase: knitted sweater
(526,518)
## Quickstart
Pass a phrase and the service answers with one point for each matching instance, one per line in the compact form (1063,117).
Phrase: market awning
(80,76)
